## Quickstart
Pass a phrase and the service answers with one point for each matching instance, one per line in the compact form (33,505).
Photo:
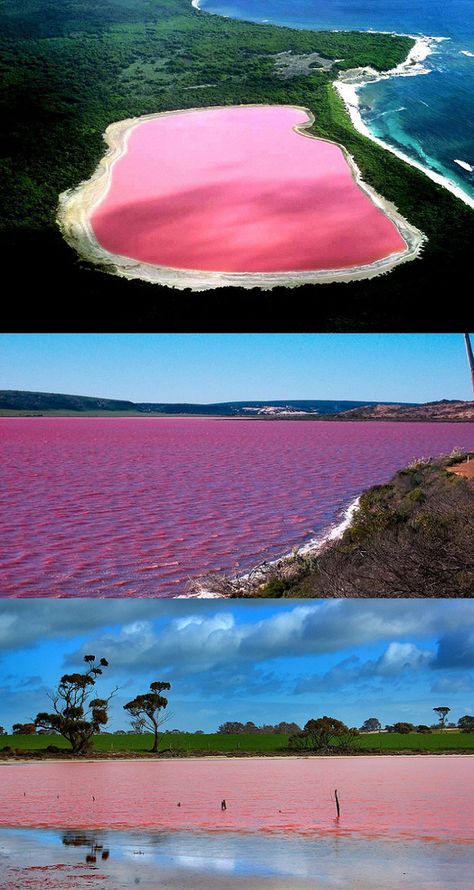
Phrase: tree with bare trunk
(442,713)
(148,707)
(75,715)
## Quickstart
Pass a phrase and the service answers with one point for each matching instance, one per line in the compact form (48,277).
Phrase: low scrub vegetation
(410,537)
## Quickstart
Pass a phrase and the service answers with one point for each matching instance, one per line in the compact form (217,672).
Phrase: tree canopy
(466,723)
(148,707)
(442,713)
(372,724)
(76,715)
(323,734)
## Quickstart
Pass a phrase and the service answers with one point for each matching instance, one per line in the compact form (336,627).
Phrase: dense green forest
(70,68)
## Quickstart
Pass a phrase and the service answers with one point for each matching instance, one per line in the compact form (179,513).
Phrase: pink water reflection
(124,506)
(427,797)
(238,190)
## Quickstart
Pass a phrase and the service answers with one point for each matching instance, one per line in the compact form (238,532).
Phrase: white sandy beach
(351,82)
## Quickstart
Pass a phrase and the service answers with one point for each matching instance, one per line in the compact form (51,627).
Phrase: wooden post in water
(338,810)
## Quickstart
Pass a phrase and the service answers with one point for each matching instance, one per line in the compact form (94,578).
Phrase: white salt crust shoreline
(77,205)
(257,576)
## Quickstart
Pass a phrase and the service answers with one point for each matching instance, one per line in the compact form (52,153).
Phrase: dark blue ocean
(430,117)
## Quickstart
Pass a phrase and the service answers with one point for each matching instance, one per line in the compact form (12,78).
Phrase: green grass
(216,742)
(417,741)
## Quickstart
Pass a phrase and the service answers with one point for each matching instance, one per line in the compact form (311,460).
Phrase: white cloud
(400,656)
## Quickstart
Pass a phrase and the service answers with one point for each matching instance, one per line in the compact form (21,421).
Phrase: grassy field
(216,742)
(71,69)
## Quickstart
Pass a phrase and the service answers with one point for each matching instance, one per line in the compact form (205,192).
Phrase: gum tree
(75,714)
(148,708)
(323,734)
(372,724)
(442,713)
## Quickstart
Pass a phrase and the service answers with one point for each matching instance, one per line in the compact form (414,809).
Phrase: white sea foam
(464,165)
(389,111)
(465,52)
(350,82)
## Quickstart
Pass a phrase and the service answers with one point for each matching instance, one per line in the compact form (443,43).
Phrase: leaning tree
(75,714)
(148,708)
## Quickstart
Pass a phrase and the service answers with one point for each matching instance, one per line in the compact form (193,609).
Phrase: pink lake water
(239,190)
(137,506)
(426,798)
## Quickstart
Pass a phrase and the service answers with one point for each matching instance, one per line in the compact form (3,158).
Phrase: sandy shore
(77,205)
(350,83)
(19,760)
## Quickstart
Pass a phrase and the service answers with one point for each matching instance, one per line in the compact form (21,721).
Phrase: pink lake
(137,506)
(426,798)
(239,190)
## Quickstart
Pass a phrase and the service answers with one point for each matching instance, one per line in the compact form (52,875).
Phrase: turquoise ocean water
(430,117)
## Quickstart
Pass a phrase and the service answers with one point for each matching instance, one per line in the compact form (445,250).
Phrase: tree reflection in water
(96,851)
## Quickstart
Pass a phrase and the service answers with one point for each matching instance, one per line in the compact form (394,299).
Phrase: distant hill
(434,411)
(19,402)
(22,402)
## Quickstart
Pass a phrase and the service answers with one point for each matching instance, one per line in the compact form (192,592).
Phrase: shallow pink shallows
(124,506)
(427,797)
(238,190)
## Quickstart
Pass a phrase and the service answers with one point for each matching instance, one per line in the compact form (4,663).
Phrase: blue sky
(226,367)
(264,661)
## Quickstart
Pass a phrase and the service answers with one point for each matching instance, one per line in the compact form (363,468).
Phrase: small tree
(231,727)
(24,729)
(466,723)
(2,730)
(75,715)
(442,713)
(323,734)
(403,728)
(148,707)
(372,724)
